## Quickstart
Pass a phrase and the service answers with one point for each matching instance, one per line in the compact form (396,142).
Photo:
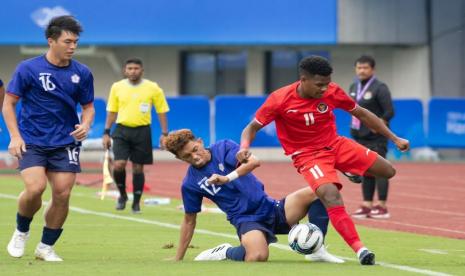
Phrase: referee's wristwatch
(106,131)
(164,133)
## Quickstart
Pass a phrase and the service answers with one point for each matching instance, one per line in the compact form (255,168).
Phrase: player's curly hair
(315,65)
(176,140)
(62,23)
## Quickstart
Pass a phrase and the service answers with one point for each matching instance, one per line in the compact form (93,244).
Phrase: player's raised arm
(185,237)
(376,124)
(245,168)
(247,137)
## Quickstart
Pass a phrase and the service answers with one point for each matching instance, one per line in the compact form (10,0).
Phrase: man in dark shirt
(372,94)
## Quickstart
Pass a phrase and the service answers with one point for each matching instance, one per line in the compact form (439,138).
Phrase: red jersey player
(303,113)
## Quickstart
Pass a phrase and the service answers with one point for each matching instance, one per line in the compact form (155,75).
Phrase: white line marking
(420,226)
(434,251)
(208,232)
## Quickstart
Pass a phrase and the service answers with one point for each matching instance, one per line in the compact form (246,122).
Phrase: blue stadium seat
(233,113)
(98,126)
(408,123)
(446,121)
(191,112)
(343,120)
(4,134)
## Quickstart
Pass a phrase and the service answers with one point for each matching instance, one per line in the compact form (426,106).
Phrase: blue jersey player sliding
(214,174)
(47,133)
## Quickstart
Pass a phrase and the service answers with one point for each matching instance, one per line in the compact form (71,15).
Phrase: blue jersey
(49,96)
(1,83)
(242,200)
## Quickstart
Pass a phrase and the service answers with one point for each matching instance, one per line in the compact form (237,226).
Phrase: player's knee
(330,197)
(138,169)
(62,196)
(119,166)
(36,189)
(256,256)
(391,172)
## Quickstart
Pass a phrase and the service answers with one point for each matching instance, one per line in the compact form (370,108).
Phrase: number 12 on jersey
(309,119)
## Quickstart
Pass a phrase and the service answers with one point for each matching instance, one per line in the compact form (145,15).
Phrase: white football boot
(46,253)
(322,255)
(214,254)
(17,244)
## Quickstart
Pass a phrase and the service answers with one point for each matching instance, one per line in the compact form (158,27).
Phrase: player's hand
(243,155)
(81,132)
(216,179)
(161,142)
(17,147)
(106,141)
(402,144)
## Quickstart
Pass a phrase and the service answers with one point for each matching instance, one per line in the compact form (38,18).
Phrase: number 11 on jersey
(309,119)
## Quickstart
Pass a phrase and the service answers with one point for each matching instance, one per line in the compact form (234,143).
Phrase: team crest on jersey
(221,167)
(368,95)
(75,78)
(322,107)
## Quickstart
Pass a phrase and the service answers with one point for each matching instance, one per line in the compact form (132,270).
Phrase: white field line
(224,235)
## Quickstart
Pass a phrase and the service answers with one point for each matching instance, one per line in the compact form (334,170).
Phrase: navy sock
(22,223)
(318,215)
(236,253)
(50,236)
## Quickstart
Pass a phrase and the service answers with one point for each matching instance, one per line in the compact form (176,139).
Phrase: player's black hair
(315,65)
(364,59)
(134,60)
(62,23)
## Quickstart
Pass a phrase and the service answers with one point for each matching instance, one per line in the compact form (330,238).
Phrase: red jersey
(304,124)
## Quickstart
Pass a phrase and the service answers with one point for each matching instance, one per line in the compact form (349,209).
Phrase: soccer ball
(305,238)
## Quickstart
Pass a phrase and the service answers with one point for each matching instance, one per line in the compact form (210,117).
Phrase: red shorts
(319,167)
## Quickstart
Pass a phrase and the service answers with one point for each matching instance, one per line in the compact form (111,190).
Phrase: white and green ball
(305,238)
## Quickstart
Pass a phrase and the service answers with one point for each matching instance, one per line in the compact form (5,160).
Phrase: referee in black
(130,104)
(372,94)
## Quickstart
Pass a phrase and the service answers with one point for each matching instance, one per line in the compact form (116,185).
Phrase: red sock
(345,226)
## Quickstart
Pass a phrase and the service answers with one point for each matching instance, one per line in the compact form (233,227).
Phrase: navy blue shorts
(60,159)
(277,224)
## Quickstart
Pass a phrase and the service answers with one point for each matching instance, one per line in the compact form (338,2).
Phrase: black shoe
(367,257)
(121,204)
(353,178)
(136,208)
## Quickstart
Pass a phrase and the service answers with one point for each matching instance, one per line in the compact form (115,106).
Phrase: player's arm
(247,137)
(17,145)
(162,118)
(111,118)
(185,237)
(373,122)
(161,106)
(245,168)
(82,130)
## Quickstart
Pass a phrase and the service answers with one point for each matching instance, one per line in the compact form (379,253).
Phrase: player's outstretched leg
(332,199)
(297,206)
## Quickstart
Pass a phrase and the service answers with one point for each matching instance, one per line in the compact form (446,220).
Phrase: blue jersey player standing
(46,135)
(214,174)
